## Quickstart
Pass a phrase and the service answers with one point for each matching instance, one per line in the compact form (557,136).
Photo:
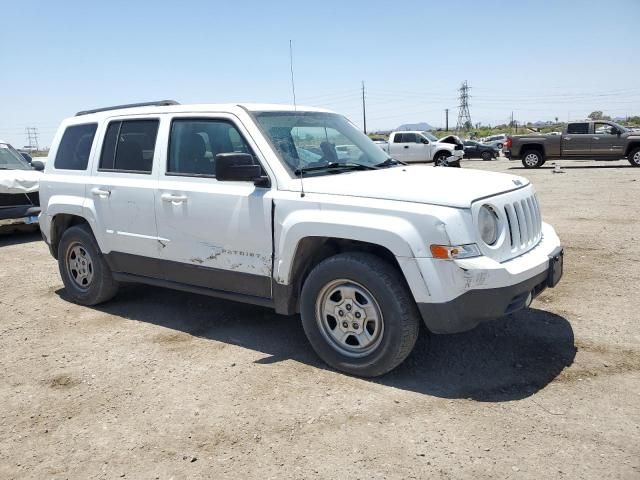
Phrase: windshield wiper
(389,162)
(335,166)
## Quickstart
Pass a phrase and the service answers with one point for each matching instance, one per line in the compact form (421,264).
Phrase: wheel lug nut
(358,315)
(345,324)
(348,306)
(355,326)
(341,313)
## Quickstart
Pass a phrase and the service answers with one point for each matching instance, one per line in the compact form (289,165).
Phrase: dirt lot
(162,384)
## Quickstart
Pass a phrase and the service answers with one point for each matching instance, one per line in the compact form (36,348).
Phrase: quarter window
(129,146)
(578,128)
(194,144)
(75,146)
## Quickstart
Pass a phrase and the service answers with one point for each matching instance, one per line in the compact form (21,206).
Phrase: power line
(464,117)
(32,138)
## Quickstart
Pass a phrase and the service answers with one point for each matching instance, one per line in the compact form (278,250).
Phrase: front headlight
(488,225)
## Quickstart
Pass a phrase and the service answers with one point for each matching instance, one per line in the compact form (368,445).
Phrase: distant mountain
(421,126)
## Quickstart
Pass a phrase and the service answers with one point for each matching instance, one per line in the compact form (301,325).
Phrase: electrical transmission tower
(464,117)
(32,138)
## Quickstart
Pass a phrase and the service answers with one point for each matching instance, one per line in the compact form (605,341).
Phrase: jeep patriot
(253,203)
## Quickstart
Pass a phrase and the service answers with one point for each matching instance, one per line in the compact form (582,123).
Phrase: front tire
(86,276)
(486,156)
(358,314)
(634,157)
(440,160)
(532,159)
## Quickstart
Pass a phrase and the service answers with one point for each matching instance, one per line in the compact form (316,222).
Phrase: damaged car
(19,184)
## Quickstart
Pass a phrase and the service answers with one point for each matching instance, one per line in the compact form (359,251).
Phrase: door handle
(567,138)
(101,192)
(596,138)
(170,197)
(406,146)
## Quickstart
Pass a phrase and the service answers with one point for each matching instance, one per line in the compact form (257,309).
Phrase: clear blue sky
(541,59)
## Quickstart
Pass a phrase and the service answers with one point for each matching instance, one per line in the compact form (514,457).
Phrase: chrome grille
(524,222)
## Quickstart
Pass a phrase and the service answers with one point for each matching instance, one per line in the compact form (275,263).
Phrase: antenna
(293,85)
(302,194)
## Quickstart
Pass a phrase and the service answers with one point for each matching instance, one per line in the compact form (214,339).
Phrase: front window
(308,140)
(10,159)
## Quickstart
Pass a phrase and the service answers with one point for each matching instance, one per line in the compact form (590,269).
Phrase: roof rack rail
(158,103)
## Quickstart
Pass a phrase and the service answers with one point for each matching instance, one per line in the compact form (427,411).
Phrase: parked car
(473,149)
(412,147)
(597,140)
(19,184)
(216,200)
(496,140)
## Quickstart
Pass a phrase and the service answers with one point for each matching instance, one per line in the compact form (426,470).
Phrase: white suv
(254,203)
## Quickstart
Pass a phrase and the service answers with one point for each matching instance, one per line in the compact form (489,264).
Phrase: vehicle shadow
(17,234)
(507,359)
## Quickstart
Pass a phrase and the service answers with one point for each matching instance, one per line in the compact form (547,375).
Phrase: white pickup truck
(254,203)
(421,147)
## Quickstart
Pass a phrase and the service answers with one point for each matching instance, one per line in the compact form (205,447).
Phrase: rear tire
(86,276)
(486,156)
(532,159)
(359,314)
(634,157)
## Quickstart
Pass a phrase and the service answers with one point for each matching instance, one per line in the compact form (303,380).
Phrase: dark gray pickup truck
(594,140)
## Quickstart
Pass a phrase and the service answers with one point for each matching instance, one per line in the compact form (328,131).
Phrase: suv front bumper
(476,290)
(17,215)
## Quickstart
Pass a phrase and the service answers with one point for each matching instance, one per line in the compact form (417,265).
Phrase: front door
(214,234)
(605,141)
(406,147)
(122,193)
(577,141)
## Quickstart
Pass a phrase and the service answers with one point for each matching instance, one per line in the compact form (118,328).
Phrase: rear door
(605,141)
(121,190)
(214,234)
(577,141)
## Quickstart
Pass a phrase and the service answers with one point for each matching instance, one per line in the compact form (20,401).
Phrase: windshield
(10,159)
(311,140)
(430,136)
(622,129)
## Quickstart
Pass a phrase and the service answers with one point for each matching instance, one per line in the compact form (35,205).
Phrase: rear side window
(578,128)
(194,144)
(398,138)
(75,146)
(129,146)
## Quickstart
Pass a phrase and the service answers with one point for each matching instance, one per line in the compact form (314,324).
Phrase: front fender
(391,232)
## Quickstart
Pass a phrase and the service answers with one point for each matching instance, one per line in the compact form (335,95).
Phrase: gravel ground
(163,384)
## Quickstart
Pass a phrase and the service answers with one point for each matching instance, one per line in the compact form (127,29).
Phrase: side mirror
(239,167)
(37,165)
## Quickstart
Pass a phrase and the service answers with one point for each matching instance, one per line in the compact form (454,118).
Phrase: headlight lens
(488,225)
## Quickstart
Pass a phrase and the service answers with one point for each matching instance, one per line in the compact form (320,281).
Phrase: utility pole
(446,113)
(32,138)
(464,117)
(364,110)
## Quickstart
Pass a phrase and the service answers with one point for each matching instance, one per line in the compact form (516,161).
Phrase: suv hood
(449,187)
(19,181)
